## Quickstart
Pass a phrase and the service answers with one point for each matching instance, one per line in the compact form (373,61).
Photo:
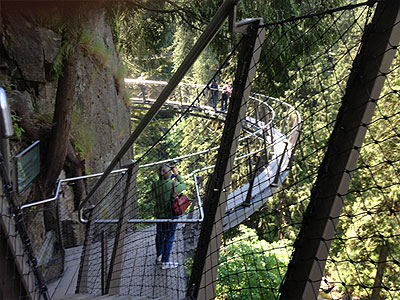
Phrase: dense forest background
(318,98)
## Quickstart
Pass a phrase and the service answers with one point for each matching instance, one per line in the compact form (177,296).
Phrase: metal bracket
(240,26)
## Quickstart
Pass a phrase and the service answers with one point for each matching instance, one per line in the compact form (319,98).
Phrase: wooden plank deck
(142,276)
(67,283)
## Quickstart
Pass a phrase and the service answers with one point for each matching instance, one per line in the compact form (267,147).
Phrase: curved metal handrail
(259,128)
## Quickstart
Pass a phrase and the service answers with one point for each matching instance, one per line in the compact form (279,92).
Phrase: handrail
(61,181)
(275,142)
(178,220)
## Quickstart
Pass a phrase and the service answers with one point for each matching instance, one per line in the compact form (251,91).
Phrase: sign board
(27,166)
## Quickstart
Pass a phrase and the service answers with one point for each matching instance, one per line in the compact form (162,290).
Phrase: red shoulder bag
(180,203)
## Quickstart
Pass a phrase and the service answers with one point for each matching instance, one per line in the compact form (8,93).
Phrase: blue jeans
(214,99)
(164,239)
(142,92)
(224,104)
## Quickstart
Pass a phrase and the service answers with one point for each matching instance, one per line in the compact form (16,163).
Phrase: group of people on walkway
(214,94)
(213,87)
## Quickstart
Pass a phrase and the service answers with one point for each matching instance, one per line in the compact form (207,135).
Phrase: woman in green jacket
(162,192)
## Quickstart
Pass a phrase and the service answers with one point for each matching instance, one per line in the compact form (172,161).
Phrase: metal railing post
(278,171)
(293,142)
(251,182)
(83,274)
(380,41)
(114,274)
(104,262)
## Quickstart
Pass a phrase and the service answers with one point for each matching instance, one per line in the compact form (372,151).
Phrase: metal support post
(83,274)
(205,266)
(278,171)
(265,117)
(6,132)
(380,41)
(293,142)
(114,275)
(249,161)
(104,263)
(251,182)
(271,133)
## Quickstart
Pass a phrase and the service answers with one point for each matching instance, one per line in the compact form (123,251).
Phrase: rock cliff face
(30,49)
(101,120)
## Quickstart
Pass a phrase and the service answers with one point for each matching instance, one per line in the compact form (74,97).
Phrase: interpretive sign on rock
(27,166)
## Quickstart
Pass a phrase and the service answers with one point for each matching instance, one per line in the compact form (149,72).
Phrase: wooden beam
(380,41)
(205,266)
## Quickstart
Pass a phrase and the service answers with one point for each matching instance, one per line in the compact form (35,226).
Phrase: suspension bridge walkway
(140,275)
(338,67)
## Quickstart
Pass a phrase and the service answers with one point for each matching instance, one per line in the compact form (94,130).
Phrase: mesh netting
(251,175)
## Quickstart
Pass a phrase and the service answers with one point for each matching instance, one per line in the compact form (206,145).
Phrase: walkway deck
(141,275)
(67,283)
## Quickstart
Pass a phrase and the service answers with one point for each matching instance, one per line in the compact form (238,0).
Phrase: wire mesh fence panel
(46,239)
(252,173)
(318,53)
(27,264)
(364,257)
(186,138)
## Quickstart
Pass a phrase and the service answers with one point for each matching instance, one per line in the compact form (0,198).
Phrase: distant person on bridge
(214,93)
(162,193)
(142,85)
(226,92)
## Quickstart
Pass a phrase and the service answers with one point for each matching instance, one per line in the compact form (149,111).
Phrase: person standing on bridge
(214,93)
(163,193)
(226,92)
(142,85)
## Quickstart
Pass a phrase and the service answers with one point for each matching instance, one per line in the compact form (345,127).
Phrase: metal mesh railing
(191,140)
(306,225)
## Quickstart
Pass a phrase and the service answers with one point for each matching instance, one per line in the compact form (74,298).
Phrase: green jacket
(162,193)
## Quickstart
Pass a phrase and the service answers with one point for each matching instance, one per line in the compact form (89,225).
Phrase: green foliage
(250,268)
(18,130)
(64,52)
(95,47)
(370,219)
(143,38)
(82,135)
(308,69)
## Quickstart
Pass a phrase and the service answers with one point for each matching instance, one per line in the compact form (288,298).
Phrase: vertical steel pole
(114,274)
(104,264)
(251,182)
(83,274)
(380,41)
(6,132)
(278,170)
(205,265)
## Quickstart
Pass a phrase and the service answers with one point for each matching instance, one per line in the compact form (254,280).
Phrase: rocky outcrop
(28,52)
(30,46)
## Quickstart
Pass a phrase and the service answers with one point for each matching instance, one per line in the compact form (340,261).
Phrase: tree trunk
(74,168)
(59,136)
(380,271)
